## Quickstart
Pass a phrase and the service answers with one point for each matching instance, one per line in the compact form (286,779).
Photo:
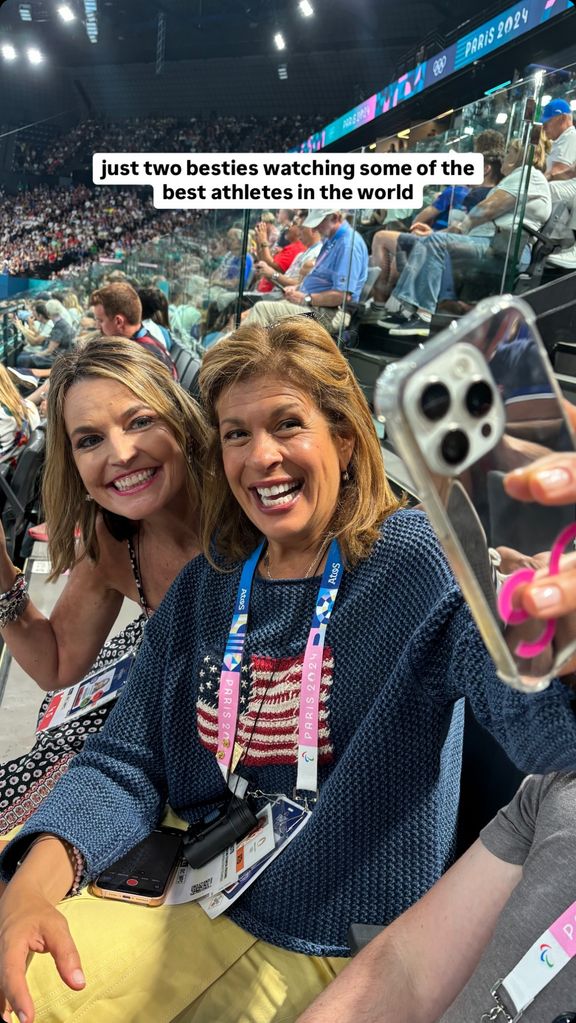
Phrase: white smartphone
(466,408)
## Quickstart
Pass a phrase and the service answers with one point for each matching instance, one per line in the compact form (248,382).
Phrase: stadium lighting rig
(8,52)
(91,12)
(66,13)
(35,56)
(279,41)
(305,8)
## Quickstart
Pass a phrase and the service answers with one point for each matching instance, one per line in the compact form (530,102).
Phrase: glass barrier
(217,268)
(468,243)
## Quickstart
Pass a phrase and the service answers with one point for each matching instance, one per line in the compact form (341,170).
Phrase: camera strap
(543,961)
(230,675)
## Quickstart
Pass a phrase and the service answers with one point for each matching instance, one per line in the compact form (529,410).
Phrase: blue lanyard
(229,688)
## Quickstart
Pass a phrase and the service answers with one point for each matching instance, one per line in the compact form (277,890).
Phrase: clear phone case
(471,405)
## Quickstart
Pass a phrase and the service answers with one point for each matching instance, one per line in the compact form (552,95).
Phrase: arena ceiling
(127,30)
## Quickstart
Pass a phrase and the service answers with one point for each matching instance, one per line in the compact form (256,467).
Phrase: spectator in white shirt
(559,128)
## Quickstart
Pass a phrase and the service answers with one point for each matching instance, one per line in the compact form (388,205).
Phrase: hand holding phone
(477,402)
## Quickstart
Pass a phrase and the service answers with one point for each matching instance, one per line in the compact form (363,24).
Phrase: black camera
(207,838)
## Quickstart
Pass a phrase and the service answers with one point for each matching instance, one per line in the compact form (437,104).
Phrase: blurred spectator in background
(559,128)
(60,339)
(118,311)
(18,417)
(155,315)
(282,259)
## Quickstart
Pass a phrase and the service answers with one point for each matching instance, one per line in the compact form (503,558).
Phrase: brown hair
(118,300)
(297,349)
(63,492)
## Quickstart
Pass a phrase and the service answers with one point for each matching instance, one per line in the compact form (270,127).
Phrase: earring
(88,498)
(345,477)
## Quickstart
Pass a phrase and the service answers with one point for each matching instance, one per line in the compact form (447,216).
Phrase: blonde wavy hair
(10,398)
(296,349)
(63,492)
(540,152)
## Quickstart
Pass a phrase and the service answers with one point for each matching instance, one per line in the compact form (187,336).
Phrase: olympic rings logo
(439,65)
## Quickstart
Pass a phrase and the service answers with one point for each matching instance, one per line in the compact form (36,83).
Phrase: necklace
(313,564)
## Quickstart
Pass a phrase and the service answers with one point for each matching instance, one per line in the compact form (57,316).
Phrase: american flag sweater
(401,650)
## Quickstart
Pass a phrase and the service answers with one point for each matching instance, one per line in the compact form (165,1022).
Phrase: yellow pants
(172,963)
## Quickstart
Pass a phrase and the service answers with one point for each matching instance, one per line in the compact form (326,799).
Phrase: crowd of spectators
(67,151)
(51,230)
(45,230)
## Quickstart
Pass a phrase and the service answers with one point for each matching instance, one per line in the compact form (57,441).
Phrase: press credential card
(92,692)
(288,818)
(192,883)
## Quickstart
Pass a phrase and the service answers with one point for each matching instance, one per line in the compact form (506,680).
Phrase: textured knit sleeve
(537,730)
(114,791)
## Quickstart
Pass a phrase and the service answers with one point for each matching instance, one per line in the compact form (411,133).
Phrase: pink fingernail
(78,977)
(23,1017)
(554,479)
(546,597)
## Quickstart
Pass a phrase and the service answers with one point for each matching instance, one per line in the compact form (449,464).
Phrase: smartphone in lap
(144,874)
(469,406)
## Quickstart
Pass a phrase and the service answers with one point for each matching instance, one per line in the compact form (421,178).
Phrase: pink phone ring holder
(512,616)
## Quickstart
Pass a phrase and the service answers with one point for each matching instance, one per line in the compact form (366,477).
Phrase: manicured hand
(29,923)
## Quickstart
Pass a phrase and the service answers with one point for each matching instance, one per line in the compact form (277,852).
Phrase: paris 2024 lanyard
(230,677)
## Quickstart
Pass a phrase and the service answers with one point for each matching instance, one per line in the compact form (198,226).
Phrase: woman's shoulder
(408,543)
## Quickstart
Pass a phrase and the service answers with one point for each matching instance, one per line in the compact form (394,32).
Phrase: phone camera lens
(435,401)
(479,399)
(455,447)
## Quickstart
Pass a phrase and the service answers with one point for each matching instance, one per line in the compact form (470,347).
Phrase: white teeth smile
(132,481)
(282,493)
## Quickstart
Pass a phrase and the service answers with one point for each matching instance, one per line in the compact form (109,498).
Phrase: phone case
(466,408)
(144,874)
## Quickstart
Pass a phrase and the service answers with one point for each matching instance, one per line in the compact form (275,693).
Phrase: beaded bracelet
(77,864)
(13,602)
(74,855)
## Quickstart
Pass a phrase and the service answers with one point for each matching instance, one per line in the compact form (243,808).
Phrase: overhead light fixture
(502,117)
(445,114)
(91,12)
(66,13)
(8,52)
(279,41)
(372,146)
(573,104)
(306,9)
(468,130)
(35,56)
(25,12)
(545,100)
(405,134)
(282,72)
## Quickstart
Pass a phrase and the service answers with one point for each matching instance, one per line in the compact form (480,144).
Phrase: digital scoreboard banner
(503,29)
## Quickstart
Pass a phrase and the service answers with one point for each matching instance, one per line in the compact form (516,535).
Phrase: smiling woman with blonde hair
(124,449)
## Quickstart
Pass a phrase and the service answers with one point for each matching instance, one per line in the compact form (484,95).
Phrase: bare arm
(330,299)
(561,172)
(29,923)
(401,976)
(426,216)
(57,651)
(495,205)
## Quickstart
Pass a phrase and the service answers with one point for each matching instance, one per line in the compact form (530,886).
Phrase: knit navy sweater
(401,649)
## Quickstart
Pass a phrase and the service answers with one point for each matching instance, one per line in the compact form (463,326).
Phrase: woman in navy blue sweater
(320,649)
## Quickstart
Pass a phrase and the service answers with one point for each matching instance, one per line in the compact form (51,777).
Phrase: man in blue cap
(559,128)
